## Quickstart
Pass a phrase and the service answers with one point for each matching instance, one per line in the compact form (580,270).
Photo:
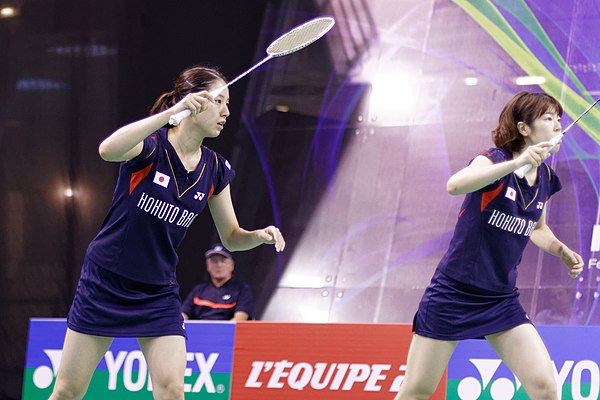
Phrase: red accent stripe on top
(137,177)
(487,197)
(212,190)
(207,303)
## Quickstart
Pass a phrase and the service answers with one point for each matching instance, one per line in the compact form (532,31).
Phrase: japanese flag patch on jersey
(161,179)
(511,193)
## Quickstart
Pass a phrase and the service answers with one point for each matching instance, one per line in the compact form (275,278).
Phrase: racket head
(300,37)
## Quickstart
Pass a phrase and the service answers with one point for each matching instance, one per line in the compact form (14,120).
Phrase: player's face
(545,127)
(219,267)
(213,119)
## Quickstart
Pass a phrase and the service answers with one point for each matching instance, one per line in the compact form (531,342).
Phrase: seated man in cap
(222,297)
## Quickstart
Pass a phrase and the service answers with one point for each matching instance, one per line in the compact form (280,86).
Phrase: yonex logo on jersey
(227,164)
(199,196)
(226,297)
(161,179)
(511,193)
(540,205)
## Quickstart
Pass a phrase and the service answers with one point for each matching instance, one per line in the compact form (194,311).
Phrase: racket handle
(180,116)
(525,168)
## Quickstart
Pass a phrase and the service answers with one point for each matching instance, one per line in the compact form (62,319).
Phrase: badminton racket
(288,43)
(554,141)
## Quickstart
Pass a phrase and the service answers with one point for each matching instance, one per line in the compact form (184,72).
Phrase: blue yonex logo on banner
(123,370)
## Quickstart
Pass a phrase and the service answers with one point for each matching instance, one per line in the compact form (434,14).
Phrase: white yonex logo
(43,376)
(199,196)
(540,205)
(578,378)
(470,388)
(227,164)
(128,369)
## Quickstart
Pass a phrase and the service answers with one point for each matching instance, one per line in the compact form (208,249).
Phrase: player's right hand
(534,155)
(195,102)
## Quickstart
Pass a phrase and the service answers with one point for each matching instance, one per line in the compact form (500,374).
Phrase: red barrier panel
(275,361)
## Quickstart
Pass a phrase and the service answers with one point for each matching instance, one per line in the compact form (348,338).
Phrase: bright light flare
(530,80)
(312,315)
(471,81)
(391,92)
(392,99)
(8,12)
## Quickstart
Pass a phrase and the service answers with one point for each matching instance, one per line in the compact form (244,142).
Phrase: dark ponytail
(164,102)
(193,79)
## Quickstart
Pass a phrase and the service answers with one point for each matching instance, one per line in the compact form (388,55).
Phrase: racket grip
(525,168)
(180,116)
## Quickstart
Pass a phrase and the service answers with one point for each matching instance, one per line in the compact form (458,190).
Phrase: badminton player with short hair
(473,293)
(127,286)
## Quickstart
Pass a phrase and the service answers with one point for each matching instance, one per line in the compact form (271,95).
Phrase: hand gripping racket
(554,141)
(290,42)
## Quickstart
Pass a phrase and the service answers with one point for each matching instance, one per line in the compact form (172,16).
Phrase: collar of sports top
(189,154)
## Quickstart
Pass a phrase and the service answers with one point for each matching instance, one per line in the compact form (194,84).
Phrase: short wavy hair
(523,107)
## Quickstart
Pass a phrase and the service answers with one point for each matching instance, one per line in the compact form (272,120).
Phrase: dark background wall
(72,71)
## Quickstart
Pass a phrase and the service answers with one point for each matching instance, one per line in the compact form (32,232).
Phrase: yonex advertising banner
(476,372)
(312,361)
(275,361)
(123,373)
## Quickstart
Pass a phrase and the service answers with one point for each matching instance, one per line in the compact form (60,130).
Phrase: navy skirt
(108,304)
(450,310)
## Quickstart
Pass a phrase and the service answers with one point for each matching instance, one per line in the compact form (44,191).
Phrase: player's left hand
(572,260)
(272,235)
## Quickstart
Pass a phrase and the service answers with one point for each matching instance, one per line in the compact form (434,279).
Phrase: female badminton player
(127,286)
(473,291)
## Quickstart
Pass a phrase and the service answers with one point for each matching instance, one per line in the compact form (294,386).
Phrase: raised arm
(232,235)
(482,171)
(127,142)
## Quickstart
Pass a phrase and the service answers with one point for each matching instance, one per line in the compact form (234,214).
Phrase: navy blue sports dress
(128,286)
(473,291)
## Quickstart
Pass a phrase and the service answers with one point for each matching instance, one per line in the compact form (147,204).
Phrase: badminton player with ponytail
(473,293)
(127,288)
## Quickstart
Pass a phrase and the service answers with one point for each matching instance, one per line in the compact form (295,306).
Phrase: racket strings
(300,37)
